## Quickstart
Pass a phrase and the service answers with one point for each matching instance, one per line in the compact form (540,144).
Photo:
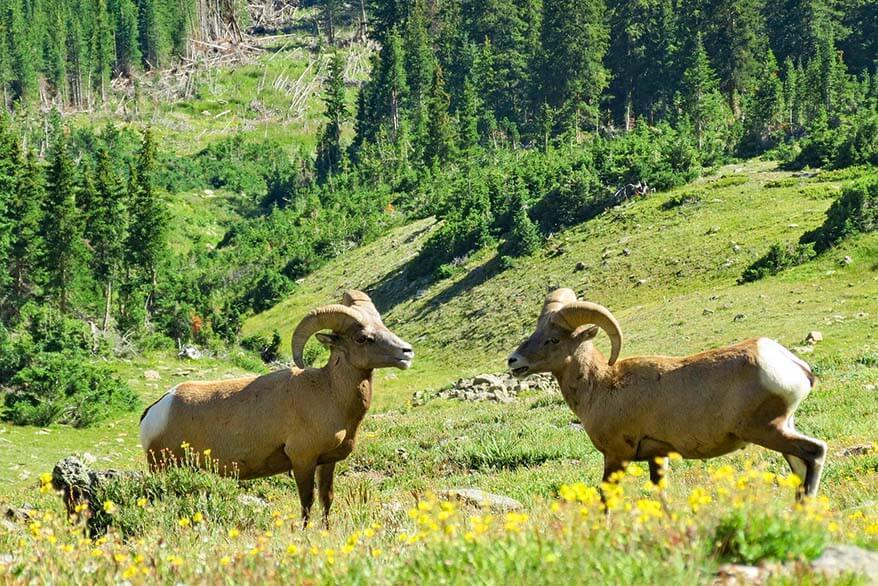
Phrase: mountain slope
(667,271)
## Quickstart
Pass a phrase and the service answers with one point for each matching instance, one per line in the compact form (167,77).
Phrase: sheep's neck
(579,377)
(352,386)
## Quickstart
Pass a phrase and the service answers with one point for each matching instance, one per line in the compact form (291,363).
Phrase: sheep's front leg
(325,476)
(304,474)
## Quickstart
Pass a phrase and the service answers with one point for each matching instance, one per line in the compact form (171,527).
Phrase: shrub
(268,349)
(749,536)
(268,290)
(577,197)
(855,210)
(62,388)
(778,257)
(687,198)
(523,238)
(467,227)
(141,503)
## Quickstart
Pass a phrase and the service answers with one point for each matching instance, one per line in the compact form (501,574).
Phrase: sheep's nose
(408,351)
(513,360)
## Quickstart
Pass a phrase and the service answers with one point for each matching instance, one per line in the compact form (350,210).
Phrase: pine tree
(704,105)
(10,161)
(21,62)
(574,41)
(792,97)
(107,227)
(102,49)
(736,42)
(418,60)
(468,117)
(440,131)
(329,151)
(127,36)
(27,244)
(765,108)
(640,57)
(145,247)
(62,226)
(523,238)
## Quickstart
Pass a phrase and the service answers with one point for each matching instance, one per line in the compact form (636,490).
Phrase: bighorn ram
(304,419)
(645,407)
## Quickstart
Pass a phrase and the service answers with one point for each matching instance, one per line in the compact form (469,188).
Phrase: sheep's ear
(587,333)
(327,340)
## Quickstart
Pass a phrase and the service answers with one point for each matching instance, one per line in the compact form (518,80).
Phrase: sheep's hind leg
(325,476)
(798,450)
(304,474)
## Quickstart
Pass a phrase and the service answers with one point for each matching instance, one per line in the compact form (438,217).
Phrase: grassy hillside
(667,266)
(668,272)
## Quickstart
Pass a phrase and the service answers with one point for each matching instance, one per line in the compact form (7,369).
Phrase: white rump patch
(782,373)
(156,420)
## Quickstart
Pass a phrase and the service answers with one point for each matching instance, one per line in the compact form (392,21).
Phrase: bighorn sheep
(646,407)
(299,419)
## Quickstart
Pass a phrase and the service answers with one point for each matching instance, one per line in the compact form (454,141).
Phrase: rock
(739,574)
(792,225)
(488,379)
(870,387)
(251,500)
(575,426)
(707,311)
(626,252)
(713,230)
(847,260)
(190,353)
(580,266)
(481,499)
(736,248)
(814,336)
(151,375)
(640,282)
(838,560)
(19,514)
(857,450)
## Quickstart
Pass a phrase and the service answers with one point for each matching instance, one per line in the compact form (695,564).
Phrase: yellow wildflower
(207,452)
(699,498)
(109,507)
(225,560)
(141,502)
(550,558)
(184,522)
(197,517)
(675,457)
(292,549)
(233,533)
(376,552)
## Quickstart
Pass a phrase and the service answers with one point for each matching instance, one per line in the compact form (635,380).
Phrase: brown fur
(291,419)
(642,408)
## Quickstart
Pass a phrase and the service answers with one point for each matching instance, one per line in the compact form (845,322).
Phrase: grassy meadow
(667,266)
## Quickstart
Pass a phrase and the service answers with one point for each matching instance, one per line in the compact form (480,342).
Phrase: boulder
(857,450)
(151,375)
(481,499)
(837,561)
(190,353)
(814,336)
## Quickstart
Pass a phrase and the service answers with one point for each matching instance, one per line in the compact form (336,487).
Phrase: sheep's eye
(552,341)
(361,339)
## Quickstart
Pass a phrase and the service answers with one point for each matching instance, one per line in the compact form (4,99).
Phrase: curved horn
(579,313)
(330,317)
(358,299)
(558,299)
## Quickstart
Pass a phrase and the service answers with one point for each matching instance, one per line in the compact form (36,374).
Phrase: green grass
(658,267)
